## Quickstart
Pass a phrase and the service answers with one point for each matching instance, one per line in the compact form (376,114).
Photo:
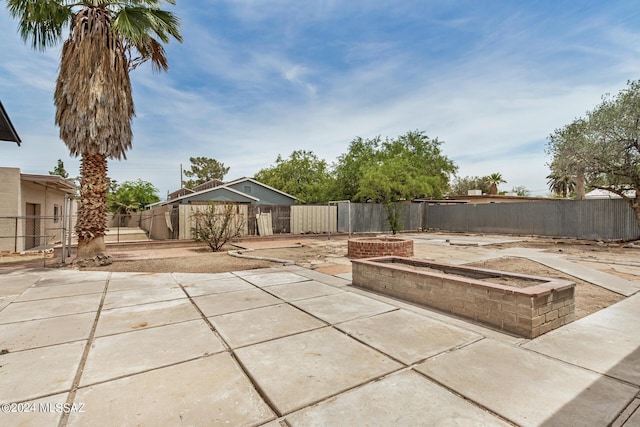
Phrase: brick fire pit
(370,247)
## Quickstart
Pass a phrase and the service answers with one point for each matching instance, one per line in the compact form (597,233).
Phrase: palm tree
(94,105)
(561,183)
(494,180)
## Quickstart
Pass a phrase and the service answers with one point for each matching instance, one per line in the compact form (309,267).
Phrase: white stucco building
(31,209)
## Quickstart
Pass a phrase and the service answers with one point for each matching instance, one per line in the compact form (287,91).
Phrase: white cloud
(285,75)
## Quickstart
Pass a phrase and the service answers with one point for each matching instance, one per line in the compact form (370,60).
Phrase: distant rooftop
(7,131)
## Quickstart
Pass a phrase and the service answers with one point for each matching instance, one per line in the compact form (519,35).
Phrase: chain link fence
(31,235)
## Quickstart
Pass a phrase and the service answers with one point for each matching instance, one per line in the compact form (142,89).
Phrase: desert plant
(393,216)
(216,224)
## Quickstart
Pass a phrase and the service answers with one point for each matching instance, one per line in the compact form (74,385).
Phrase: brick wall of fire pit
(370,247)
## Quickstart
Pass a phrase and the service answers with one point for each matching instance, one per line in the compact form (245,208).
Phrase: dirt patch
(202,260)
(589,298)
(29,260)
(516,282)
(218,262)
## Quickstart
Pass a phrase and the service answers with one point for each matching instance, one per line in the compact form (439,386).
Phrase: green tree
(561,183)
(94,104)
(113,186)
(606,145)
(132,196)
(419,157)
(349,168)
(494,180)
(59,170)
(302,175)
(461,186)
(408,167)
(571,148)
(521,191)
(204,169)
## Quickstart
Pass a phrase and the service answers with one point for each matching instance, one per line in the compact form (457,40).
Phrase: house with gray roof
(242,190)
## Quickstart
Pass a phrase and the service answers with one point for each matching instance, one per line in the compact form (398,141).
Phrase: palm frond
(93,90)
(134,23)
(40,21)
(153,50)
(138,25)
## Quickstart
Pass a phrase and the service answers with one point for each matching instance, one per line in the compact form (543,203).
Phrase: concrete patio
(292,346)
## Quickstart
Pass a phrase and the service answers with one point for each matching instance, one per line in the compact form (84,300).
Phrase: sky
(257,78)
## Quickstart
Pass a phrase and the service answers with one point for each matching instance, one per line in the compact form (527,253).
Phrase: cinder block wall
(528,312)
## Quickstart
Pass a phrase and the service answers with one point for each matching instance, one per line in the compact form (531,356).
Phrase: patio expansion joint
(255,383)
(293,334)
(228,349)
(144,371)
(42,318)
(50,298)
(261,392)
(2,351)
(85,354)
(606,375)
(346,390)
(467,399)
(145,328)
(627,412)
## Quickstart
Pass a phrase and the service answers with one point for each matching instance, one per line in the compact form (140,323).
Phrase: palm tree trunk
(580,184)
(92,211)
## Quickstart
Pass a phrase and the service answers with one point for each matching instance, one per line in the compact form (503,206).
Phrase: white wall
(9,207)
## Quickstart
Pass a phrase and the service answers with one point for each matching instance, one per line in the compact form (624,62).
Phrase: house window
(56,213)
(247,189)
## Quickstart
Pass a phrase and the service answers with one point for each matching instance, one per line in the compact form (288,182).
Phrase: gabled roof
(227,186)
(7,131)
(187,191)
(211,190)
(243,179)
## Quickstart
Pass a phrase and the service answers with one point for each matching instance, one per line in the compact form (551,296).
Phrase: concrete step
(125,234)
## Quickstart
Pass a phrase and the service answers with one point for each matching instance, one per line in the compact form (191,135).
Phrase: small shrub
(393,216)
(218,223)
